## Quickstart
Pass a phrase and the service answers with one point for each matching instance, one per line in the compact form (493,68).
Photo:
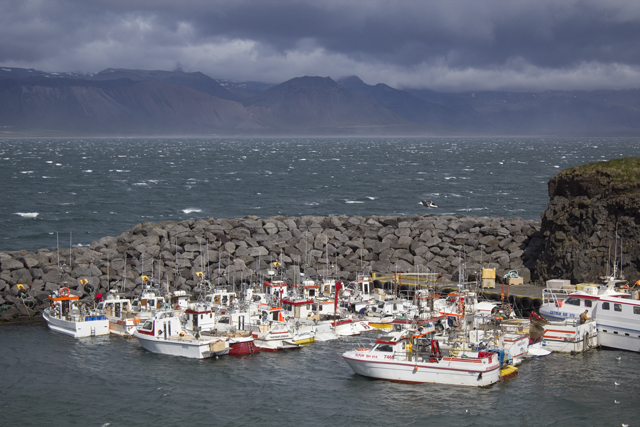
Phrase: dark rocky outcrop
(587,205)
(243,249)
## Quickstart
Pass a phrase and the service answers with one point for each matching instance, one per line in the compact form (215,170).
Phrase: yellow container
(488,273)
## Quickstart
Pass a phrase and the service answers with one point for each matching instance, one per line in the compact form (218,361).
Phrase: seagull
(427,204)
(618,358)
(616,402)
(625,425)
(616,383)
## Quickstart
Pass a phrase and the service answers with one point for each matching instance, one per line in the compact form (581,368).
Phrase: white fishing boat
(123,319)
(410,356)
(70,316)
(275,337)
(559,305)
(569,336)
(164,334)
(618,323)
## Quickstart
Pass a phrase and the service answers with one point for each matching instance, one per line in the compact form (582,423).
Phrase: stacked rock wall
(235,250)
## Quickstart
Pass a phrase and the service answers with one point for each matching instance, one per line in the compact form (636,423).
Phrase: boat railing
(553,296)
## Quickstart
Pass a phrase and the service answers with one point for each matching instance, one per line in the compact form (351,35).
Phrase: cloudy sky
(444,45)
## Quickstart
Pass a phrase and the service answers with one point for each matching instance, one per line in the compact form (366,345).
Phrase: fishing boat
(199,320)
(618,323)
(123,319)
(164,334)
(70,316)
(414,356)
(569,336)
(275,337)
(560,305)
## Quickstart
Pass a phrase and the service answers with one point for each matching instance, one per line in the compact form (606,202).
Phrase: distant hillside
(316,102)
(122,101)
(115,107)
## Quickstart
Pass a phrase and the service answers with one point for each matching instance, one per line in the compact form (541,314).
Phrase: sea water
(60,192)
(53,379)
(72,192)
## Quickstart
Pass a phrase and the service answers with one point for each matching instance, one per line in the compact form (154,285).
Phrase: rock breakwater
(231,251)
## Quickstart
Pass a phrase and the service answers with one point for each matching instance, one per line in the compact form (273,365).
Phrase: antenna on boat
(124,274)
(208,273)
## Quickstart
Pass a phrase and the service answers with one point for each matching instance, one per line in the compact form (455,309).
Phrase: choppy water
(52,379)
(79,190)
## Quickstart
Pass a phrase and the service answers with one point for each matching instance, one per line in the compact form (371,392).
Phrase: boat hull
(182,347)
(242,346)
(77,329)
(451,371)
(568,337)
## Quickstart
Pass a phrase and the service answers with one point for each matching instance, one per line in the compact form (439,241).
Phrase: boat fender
(88,288)
(65,292)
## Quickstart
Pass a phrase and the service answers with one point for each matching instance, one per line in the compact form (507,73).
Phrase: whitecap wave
(351,202)
(371,198)
(26,172)
(87,171)
(191,210)
(28,214)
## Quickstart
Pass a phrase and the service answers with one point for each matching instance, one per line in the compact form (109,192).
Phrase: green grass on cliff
(618,171)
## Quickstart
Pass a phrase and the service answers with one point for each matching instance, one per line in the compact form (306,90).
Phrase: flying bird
(616,402)
(427,204)
(625,425)
(616,383)
(618,358)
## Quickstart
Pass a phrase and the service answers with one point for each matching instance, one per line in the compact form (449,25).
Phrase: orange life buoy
(65,292)
(461,306)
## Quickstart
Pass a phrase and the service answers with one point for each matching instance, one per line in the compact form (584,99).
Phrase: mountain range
(120,102)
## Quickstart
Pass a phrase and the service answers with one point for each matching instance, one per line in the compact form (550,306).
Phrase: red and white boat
(201,321)
(411,356)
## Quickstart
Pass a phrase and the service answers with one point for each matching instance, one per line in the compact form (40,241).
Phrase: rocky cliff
(587,205)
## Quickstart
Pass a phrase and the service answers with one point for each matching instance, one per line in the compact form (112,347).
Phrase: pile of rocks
(229,251)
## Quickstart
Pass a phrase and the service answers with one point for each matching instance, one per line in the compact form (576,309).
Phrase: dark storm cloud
(446,45)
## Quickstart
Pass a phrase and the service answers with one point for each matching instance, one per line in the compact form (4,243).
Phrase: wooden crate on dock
(515,281)
(488,283)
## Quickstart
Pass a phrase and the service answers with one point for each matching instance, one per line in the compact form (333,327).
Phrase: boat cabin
(323,307)
(298,309)
(273,315)
(240,321)
(220,298)
(149,300)
(199,318)
(163,325)
(276,290)
(115,306)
